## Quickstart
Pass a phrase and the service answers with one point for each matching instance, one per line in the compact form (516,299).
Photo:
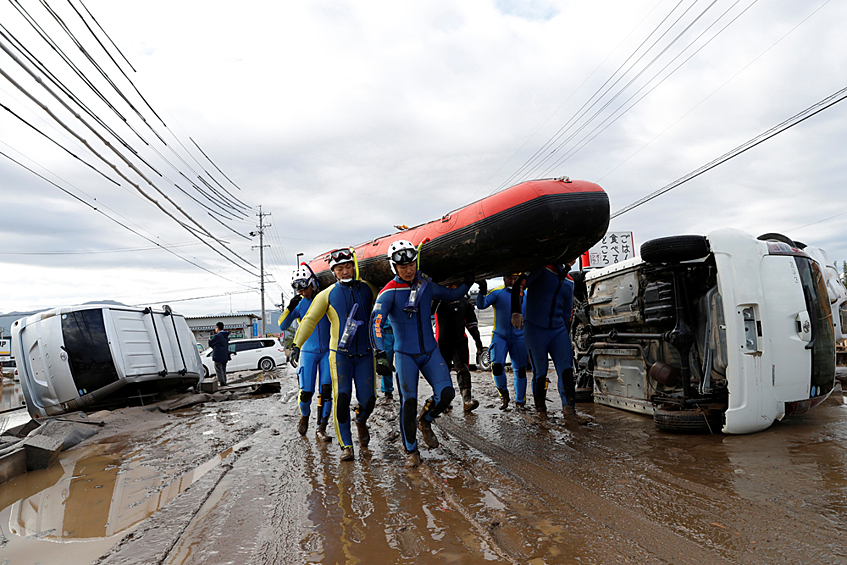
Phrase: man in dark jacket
(220,351)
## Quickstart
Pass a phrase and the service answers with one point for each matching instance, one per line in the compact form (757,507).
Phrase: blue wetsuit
(549,306)
(415,349)
(505,339)
(314,360)
(355,362)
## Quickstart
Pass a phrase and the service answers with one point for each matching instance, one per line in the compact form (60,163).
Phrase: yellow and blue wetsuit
(356,362)
(505,339)
(415,350)
(549,306)
(314,361)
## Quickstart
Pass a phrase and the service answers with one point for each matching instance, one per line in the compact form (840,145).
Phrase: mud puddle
(78,508)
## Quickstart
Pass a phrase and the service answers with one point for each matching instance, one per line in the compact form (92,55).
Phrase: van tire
(675,248)
(692,421)
(777,237)
(205,372)
(484,360)
(266,364)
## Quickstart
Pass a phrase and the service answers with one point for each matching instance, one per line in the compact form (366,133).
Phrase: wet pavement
(233,482)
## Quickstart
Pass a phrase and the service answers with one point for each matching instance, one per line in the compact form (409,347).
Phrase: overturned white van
(724,332)
(81,356)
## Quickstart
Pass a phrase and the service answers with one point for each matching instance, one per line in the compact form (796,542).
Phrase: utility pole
(261,233)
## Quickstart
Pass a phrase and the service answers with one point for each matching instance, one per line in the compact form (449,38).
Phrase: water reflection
(90,494)
(11,395)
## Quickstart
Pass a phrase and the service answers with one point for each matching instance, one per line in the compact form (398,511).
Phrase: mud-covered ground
(233,482)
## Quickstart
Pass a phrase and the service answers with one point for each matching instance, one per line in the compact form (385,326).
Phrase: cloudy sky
(342,119)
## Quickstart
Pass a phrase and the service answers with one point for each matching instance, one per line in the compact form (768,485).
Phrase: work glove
(383,365)
(294,357)
(292,304)
(517,320)
(483,286)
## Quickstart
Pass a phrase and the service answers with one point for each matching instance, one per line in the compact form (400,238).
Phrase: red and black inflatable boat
(530,224)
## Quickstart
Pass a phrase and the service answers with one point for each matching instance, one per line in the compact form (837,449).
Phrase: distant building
(238,326)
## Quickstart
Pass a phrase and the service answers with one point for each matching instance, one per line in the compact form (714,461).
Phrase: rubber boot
(570,387)
(324,398)
(364,434)
(539,394)
(504,398)
(303,425)
(347,454)
(413,459)
(320,433)
(426,430)
(464,378)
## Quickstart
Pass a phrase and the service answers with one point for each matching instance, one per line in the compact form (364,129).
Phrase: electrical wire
(582,113)
(798,118)
(598,94)
(617,113)
(126,227)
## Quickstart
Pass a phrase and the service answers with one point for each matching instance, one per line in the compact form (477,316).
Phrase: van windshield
(823,336)
(88,350)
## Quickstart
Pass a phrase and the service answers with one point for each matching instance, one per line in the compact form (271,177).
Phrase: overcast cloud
(343,119)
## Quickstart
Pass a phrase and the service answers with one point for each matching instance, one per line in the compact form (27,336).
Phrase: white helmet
(339,256)
(401,252)
(303,278)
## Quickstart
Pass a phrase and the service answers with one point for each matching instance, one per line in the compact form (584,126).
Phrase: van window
(820,312)
(87,346)
(267,343)
(246,345)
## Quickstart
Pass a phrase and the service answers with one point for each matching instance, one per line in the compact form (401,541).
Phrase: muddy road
(233,482)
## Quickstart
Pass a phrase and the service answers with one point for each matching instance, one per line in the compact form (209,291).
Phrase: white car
(263,353)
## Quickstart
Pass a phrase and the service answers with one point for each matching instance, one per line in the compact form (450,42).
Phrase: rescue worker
(505,339)
(451,321)
(314,357)
(406,301)
(347,305)
(549,306)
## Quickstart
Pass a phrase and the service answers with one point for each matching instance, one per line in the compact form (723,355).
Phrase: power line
(761,138)
(598,94)
(617,113)
(126,227)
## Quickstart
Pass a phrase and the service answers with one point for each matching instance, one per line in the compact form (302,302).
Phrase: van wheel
(692,421)
(675,248)
(205,372)
(484,359)
(266,364)
(777,237)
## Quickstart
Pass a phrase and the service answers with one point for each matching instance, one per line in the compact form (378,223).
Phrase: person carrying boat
(347,305)
(505,339)
(549,306)
(406,301)
(314,357)
(451,321)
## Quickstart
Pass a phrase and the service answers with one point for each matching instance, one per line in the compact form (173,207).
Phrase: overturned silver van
(723,332)
(77,357)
